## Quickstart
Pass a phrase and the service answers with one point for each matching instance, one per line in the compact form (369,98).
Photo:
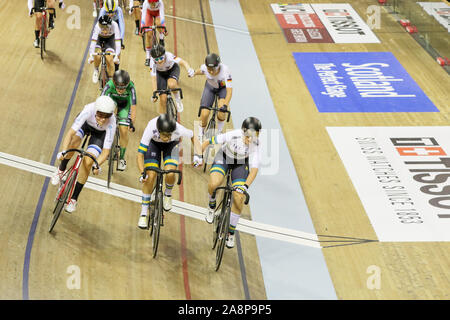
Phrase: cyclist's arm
(228,96)
(133,102)
(154,85)
(30,5)
(103,156)
(251,176)
(133,113)
(198,148)
(198,72)
(94,39)
(161,13)
(184,63)
(121,23)
(67,139)
(106,90)
(144,13)
(140,161)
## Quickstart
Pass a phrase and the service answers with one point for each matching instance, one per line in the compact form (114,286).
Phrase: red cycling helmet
(150,1)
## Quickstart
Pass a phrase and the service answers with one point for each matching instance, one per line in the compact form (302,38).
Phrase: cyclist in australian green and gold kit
(121,89)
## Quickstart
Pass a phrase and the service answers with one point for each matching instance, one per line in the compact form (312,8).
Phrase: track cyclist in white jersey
(97,120)
(240,153)
(218,82)
(162,135)
(165,72)
(106,34)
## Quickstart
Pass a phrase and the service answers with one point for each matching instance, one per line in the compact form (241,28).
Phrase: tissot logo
(432,173)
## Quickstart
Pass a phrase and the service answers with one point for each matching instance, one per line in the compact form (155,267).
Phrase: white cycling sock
(145,204)
(234,218)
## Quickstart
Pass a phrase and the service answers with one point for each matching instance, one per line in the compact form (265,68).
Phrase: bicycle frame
(171,110)
(157,212)
(103,74)
(222,222)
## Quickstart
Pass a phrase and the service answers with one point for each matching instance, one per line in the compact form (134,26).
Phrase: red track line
(187,289)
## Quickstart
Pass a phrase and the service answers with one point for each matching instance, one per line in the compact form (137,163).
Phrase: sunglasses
(103,115)
(159,59)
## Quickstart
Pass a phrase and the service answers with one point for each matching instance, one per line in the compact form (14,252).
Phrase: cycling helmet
(121,79)
(105,105)
(251,123)
(212,60)
(150,1)
(166,123)
(104,20)
(157,51)
(111,6)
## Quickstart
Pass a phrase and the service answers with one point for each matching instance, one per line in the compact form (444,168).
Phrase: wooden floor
(102,238)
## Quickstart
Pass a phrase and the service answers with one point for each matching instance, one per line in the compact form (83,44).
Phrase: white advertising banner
(402,177)
(344,24)
(439,10)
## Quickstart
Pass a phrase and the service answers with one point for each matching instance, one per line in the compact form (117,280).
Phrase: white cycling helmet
(105,104)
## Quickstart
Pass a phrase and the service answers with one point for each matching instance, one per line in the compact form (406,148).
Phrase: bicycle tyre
(223,229)
(62,200)
(157,221)
(111,159)
(209,130)
(217,222)
(42,38)
(171,110)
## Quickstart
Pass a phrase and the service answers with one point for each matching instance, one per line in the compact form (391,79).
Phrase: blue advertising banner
(360,82)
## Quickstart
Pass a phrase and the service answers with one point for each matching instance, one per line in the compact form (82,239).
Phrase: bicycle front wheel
(61,201)
(222,235)
(111,158)
(157,221)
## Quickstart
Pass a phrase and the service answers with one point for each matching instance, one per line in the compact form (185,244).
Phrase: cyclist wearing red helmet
(152,9)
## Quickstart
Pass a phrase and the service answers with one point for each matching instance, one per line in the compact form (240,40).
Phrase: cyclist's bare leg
(123,130)
(238,202)
(149,185)
(204,117)
(85,169)
(75,143)
(221,116)
(170,177)
(161,32)
(110,65)
(215,180)
(97,59)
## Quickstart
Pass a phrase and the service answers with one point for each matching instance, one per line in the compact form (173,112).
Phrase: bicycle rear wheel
(222,236)
(61,201)
(157,221)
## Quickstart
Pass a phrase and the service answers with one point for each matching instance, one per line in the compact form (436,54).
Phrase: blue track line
(37,212)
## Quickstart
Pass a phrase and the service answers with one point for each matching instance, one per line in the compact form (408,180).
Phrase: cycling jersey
(222,79)
(87,115)
(158,10)
(234,147)
(118,18)
(151,133)
(169,61)
(112,31)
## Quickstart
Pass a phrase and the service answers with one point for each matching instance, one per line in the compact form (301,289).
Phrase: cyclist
(121,89)
(136,13)
(240,153)
(107,35)
(152,9)
(165,72)
(97,120)
(218,81)
(162,135)
(115,12)
(33,7)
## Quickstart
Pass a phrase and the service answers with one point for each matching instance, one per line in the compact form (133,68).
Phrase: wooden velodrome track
(102,237)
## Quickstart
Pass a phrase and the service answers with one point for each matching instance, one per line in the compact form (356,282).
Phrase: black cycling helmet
(104,20)
(157,51)
(251,123)
(166,123)
(121,79)
(212,60)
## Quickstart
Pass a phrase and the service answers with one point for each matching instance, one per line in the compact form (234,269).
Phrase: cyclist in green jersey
(121,89)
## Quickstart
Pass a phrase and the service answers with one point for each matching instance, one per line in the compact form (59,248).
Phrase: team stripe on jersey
(95,147)
(142,148)
(212,140)
(217,168)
